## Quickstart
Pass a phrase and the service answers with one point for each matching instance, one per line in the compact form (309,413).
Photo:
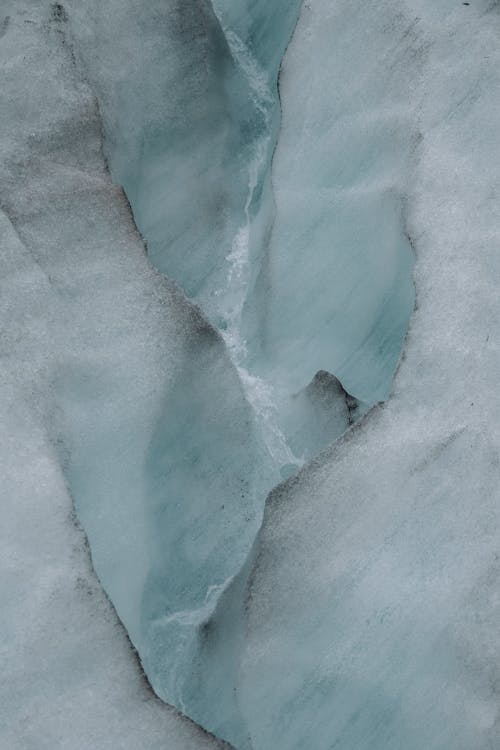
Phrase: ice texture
(339,268)
(191,119)
(359,607)
(79,304)
(373,610)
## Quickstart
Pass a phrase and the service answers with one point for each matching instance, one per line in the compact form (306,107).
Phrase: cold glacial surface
(358,606)
(373,608)
(189,101)
(82,312)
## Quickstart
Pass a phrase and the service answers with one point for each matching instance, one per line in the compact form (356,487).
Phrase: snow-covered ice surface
(77,294)
(364,613)
(374,604)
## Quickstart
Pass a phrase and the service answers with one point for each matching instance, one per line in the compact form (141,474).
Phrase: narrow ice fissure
(258,392)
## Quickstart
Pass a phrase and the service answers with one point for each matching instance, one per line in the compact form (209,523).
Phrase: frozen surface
(373,608)
(192,142)
(338,278)
(77,295)
(363,612)
(189,102)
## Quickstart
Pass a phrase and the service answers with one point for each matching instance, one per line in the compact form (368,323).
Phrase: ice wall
(338,278)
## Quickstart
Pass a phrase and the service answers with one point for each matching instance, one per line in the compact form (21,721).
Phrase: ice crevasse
(193,122)
(339,610)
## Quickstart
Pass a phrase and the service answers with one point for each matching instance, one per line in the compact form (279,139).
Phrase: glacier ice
(374,595)
(77,294)
(359,608)
(201,196)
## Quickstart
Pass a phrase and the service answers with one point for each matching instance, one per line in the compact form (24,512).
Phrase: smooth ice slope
(77,296)
(340,175)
